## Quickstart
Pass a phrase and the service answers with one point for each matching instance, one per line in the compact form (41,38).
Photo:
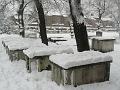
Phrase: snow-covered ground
(13,75)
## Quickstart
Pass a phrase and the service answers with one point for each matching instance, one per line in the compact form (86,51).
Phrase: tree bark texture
(41,21)
(20,19)
(79,28)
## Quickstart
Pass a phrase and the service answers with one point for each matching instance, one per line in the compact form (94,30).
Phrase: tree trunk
(20,19)
(41,21)
(79,27)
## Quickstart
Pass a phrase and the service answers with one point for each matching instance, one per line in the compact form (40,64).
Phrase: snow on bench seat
(82,58)
(24,43)
(18,46)
(9,38)
(47,50)
(104,38)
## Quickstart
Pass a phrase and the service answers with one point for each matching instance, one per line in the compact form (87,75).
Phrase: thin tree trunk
(20,19)
(79,27)
(41,21)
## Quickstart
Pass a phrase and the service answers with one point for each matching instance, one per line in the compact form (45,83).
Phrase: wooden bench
(31,35)
(41,55)
(78,69)
(56,39)
(15,46)
(103,44)
(98,33)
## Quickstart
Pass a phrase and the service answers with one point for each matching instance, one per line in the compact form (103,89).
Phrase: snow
(67,61)
(13,75)
(103,38)
(19,43)
(18,46)
(8,38)
(107,19)
(76,10)
(48,50)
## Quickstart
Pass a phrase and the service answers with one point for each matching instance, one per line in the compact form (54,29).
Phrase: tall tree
(117,18)
(41,17)
(98,9)
(79,26)
(20,18)
(101,7)
(20,12)
(3,9)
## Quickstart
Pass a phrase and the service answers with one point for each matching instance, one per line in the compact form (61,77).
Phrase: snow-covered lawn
(13,75)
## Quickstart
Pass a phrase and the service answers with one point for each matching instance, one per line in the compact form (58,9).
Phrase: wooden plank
(107,71)
(28,64)
(43,63)
(103,45)
(85,74)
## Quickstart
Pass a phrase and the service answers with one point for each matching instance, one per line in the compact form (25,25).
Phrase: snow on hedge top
(82,58)
(47,50)
(104,38)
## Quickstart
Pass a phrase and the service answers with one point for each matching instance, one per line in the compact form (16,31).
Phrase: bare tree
(41,17)
(20,12)
(79,26)
(100,7)
(117,17)
(3,8)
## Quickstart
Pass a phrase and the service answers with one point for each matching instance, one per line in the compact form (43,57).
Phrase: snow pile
(82,58)
(36,43)
(47,50)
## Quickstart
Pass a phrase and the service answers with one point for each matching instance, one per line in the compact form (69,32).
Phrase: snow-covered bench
(31,35)
(98,33)
(103,44)
(41,54)
(56,39)
(80,68)
(15,50)
(15,45)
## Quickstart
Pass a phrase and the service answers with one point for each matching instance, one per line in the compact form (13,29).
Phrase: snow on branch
(77,11)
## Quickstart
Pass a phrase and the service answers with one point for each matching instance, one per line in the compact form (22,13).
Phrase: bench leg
(10,53)
(28,65)
(43,63)
(39,65)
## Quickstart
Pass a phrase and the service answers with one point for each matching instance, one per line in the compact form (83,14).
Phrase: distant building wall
(56,23)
